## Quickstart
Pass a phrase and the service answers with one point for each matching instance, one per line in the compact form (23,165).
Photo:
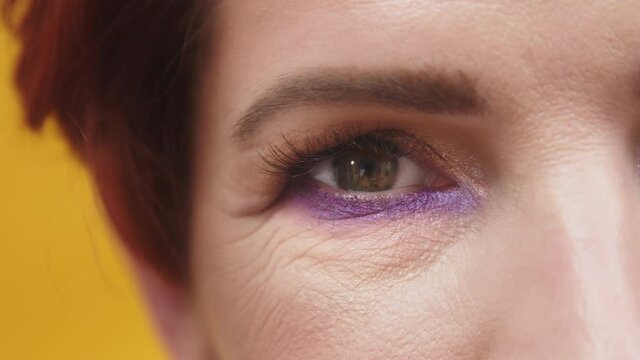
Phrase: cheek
(276,289)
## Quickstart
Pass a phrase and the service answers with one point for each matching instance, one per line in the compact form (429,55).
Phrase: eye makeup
(325,204)
(296,164)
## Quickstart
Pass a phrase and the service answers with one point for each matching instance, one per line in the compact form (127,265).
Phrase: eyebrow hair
(432,92)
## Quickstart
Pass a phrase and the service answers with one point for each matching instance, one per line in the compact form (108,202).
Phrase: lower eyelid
(323,204)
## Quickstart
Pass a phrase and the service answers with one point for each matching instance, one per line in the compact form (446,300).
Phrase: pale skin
(544,267)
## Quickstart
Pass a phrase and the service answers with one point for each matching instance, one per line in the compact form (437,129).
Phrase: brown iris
(365,170)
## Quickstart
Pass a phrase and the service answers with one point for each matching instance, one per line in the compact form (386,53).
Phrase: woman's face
(420,179)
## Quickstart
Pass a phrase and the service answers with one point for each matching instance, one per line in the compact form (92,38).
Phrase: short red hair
(120,77)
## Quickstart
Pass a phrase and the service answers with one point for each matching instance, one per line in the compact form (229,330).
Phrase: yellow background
(65,289)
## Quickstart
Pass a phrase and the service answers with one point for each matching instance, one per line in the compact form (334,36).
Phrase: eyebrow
(432,92)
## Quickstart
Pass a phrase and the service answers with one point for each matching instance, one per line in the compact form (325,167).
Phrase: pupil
(368,167)
(365,171)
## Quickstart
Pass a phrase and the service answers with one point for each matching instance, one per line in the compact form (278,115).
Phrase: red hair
(120,77)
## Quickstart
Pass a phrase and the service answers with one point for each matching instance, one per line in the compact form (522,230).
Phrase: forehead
(514,46)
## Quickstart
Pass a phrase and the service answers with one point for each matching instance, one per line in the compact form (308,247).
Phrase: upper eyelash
(292,160)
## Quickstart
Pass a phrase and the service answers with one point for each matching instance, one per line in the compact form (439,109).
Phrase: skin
(544,267)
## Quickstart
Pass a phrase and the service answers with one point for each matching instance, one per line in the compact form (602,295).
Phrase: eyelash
(290,160)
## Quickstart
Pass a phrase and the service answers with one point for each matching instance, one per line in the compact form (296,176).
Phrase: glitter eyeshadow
(329,205)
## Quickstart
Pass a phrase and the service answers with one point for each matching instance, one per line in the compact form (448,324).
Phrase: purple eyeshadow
(327,205)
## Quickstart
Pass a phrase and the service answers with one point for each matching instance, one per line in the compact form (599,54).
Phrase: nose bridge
(584,201)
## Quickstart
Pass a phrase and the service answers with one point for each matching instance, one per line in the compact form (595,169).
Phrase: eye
(371,170)
(382,173)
